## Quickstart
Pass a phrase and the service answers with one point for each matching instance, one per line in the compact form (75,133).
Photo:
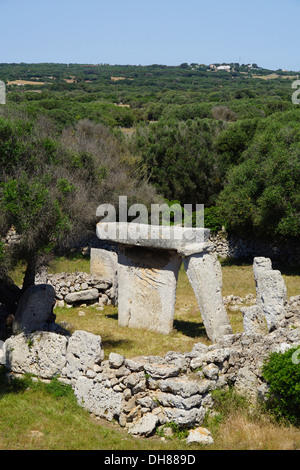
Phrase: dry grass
(273,76)
(240,432)
(24,82)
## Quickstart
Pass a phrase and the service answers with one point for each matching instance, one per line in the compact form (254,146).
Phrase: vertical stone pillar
(271,292)
(147,280)
(204,273)
(104,263)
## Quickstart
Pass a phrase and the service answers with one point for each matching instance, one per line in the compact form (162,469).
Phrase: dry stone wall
(232,246)
(143,393)
(79,287)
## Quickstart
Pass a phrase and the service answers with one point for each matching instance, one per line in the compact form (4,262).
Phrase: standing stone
(260,264)
(147,288)
(104,263)
(204,273)
(35,309)
(271,292)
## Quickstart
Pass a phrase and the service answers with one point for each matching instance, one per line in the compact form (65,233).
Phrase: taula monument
(148,261)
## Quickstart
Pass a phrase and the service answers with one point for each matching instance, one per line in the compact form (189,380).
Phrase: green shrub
(212,219)
(282,373)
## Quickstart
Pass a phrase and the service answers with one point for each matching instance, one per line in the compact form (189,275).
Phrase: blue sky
(146,32)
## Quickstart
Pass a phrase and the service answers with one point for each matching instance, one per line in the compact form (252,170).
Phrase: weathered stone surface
(271,292)
(217,355)
(178,360)
(80,296)
(246,383)
(179,386)
(162,371)
(253,320)
(147,288)
(145,426)
(104,263)
(273,296)
(35,309)
(42,353)
(116,360)
(183,240)
(175,401)
(84,350)
(2,353)
(200,435)
(98,399)
(203,271)
(200,348)
(135,364)
(185,417)
(211,371)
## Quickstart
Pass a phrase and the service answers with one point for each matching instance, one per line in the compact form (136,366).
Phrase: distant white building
(224,67)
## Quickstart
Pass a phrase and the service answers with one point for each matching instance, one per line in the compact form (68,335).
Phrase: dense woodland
(74,136)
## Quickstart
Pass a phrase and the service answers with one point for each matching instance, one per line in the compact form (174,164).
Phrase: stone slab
(147,282)
(184,240)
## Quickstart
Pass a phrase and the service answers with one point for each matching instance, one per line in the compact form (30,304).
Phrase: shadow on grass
(109,344)
(190,329)
(113,316)
(17,385)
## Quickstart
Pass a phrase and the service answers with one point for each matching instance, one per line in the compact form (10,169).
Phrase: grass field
(35,416)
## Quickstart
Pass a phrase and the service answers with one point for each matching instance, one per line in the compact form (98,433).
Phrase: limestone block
(260,264)
(200,435)
(271,292)
(246,383)
(161,371)
(35,308)
(116,360)
(104,263)
(175,401)
(179,386)
(147,288)
(253,320)
(145,426)
(42,353)
(273,296)
(185,417)
(84,350)
(98,399)
(183,240)
(203,271)
(80,296)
